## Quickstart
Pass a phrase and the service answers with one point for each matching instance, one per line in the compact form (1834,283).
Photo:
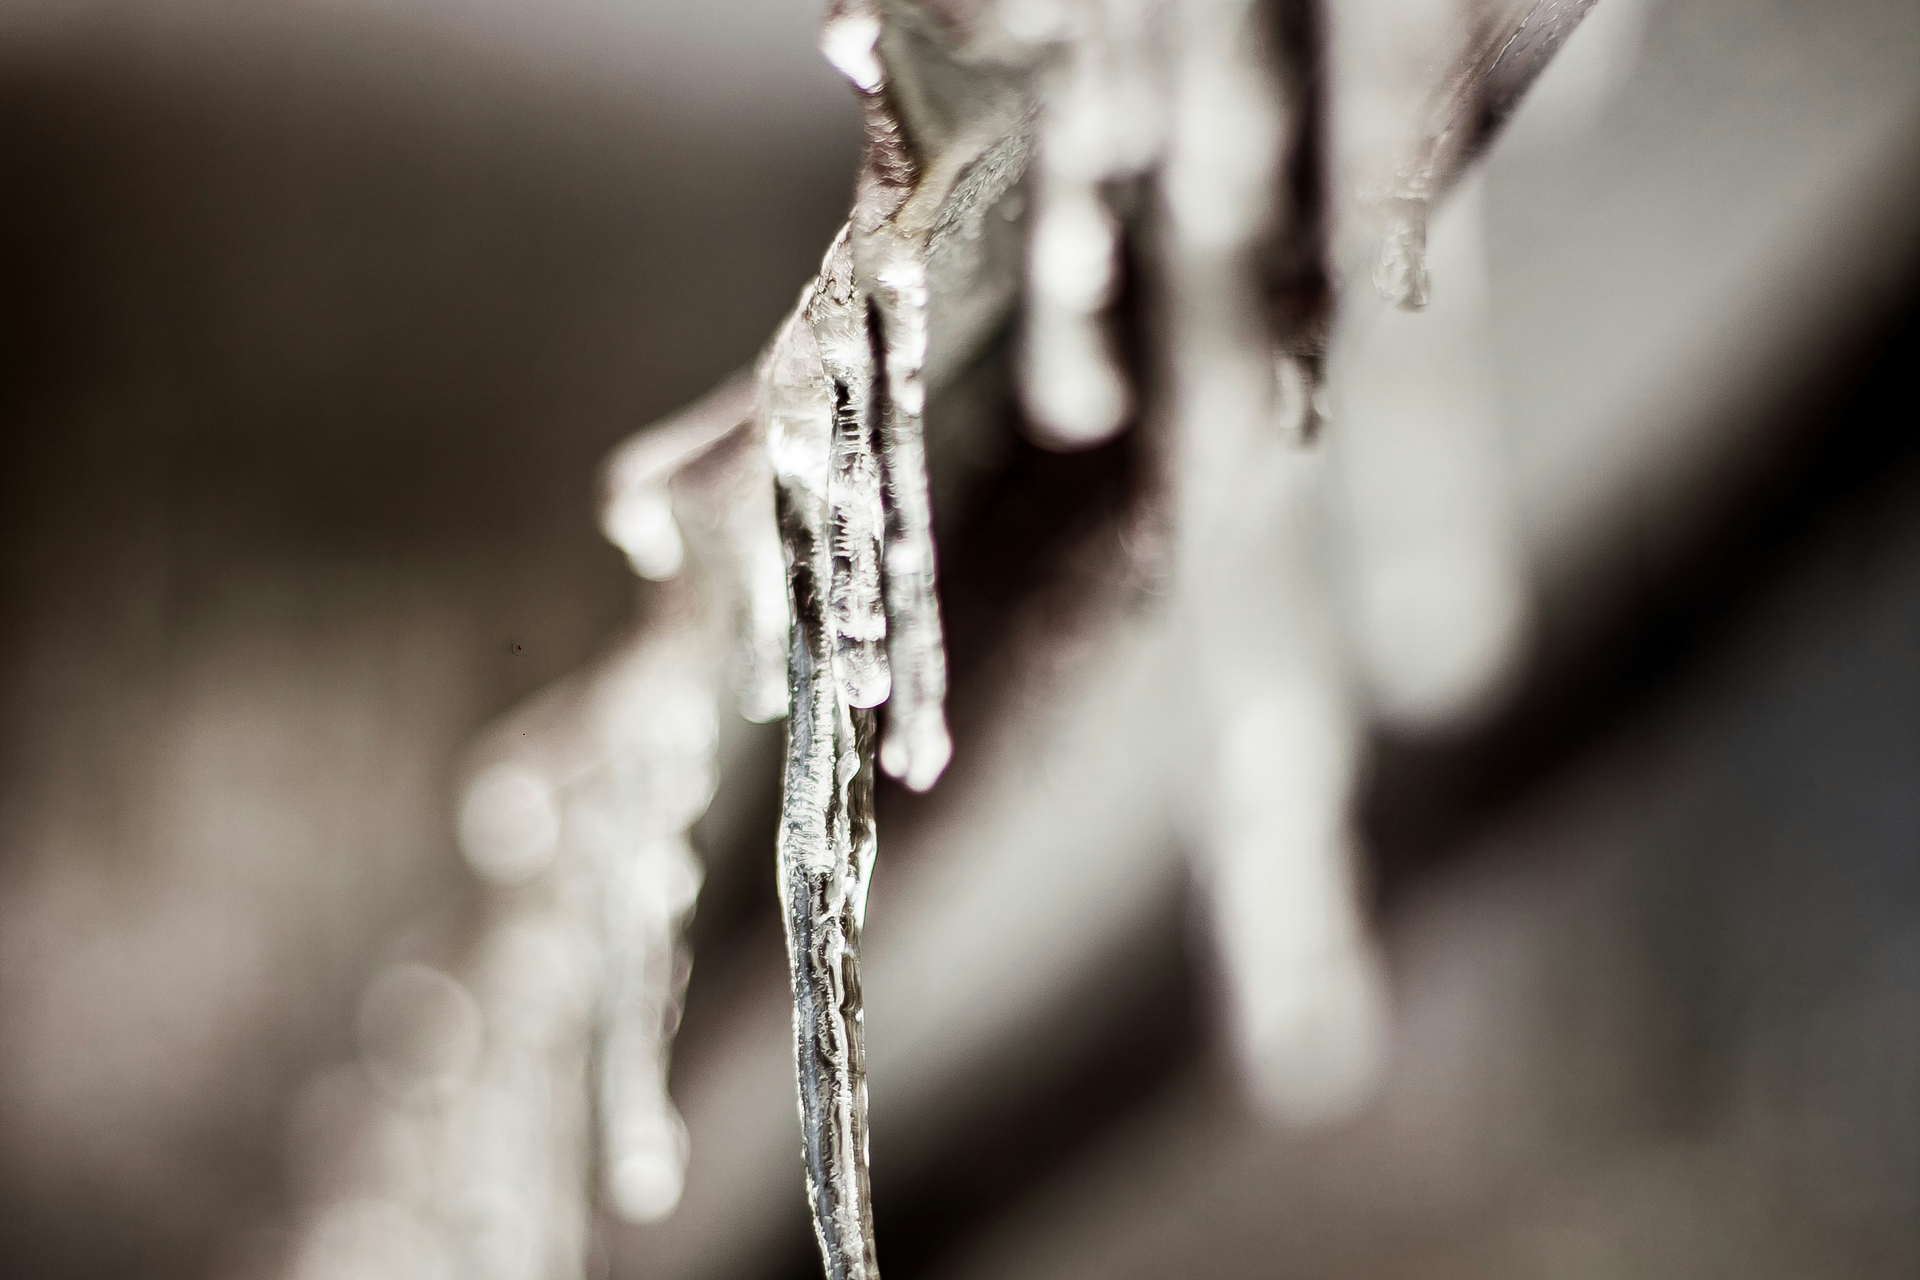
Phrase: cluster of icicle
(787,520)
(1189,138)
(500,1065)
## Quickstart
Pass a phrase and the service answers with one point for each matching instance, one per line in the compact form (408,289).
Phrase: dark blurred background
(316,319)
(317,322)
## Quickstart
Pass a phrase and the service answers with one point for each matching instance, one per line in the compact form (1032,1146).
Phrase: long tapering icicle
(826,841)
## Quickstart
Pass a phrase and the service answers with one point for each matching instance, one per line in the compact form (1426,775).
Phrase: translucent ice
(837,314)
(825,844)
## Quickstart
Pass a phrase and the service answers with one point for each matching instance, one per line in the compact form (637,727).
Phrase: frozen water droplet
(647,1185)
(1272,719)
(1075,397)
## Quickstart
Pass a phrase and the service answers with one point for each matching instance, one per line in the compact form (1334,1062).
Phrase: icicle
(1100,125)
(825,843)
(627,760)
(1073,389)
(825,906)
(749,555)
(654,737)
(744,572)
(916,746)
(1276,752)
(655,723)
(456,1145)
(644,1144)
(581,813)
(837,314)
(1495,52)
(1436,591)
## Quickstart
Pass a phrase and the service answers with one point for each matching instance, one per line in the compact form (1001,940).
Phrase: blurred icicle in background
(1434,582)
(1273,778)
(1412,608)
(497,1094)
(484,1076)
(1100,129)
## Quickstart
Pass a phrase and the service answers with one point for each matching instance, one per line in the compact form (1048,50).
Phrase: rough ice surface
(891,264)
(825,844)
(837,314)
